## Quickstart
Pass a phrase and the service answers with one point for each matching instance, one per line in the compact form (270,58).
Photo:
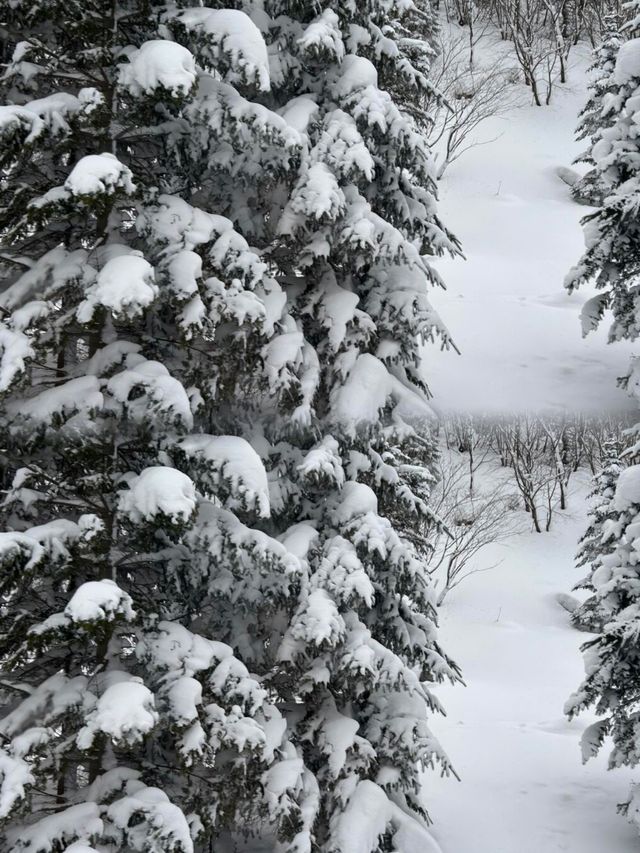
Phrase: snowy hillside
(518,331)
(523,786)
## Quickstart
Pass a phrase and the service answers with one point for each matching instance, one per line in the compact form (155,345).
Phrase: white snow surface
(159,63)
(237,462)
(99,173)
(628,488)
(126,285)
(517,328)
(98,601)
(627,62)
(233,32)
(156,490)
(524,788)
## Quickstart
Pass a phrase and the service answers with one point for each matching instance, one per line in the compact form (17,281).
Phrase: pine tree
(595,544)
(611,258)
(353,238)
(215,227)
(134,317)
(612,659)
(593,117)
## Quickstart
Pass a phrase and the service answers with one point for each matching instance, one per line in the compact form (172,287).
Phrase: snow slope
(523,788)
(518,330)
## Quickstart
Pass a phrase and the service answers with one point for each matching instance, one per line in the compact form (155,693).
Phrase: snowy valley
(523,785)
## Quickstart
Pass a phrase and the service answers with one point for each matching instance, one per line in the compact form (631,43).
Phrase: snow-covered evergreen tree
(596,542)
(612,659)
(594,115)
(612,261)
(134,316)
(351,241)
(602,510)
(215,226)
(612,236)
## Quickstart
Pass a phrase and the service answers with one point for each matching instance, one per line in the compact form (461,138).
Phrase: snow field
(524,788)
(517,328)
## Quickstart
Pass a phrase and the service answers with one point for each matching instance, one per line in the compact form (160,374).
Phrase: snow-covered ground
(524,788)
(517,328)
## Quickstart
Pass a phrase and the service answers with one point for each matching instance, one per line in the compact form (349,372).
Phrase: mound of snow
(355,499)
(159,63)
(364,393)
(55,108)
(356,72)
(159,490)
(627,62)
(170,827)
(14,119)
(55,830)
(628,488)
(164,392)
(323,36)
(15,775)
(125,285)
(300,112)
(15,348)
(76,395)
(368,813)
(236,36)
(568,602)
(99,173)
(569,176)
(300,538)
(318,194)
(236,461)
(320,621)
(125,712)
(95,601)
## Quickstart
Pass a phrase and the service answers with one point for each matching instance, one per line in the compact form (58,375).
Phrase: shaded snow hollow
(524,788)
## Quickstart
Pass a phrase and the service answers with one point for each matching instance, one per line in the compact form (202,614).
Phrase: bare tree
(469,523)
(473,16)
(534,470)
(472,94)
(543,452)
(535,51)
(468,434)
